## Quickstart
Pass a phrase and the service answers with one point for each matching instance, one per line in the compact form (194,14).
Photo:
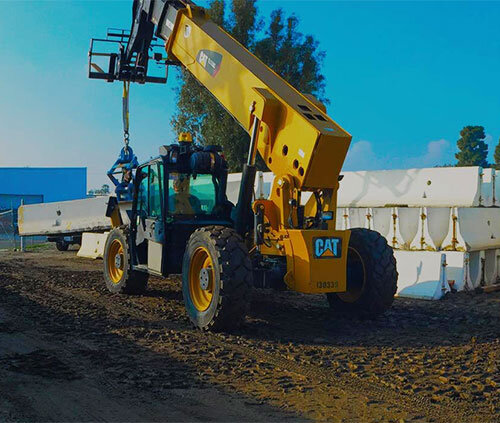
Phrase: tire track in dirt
(378,396)
(299,384)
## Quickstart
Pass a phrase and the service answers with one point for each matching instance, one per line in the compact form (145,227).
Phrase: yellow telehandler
(181,221)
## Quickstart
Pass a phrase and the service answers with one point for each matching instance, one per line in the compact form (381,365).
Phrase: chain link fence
(9,233)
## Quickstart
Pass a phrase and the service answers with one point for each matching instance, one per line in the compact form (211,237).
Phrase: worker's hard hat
(185,137)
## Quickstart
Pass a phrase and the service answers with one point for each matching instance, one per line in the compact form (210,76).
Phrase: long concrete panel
(432,187)
(88,215)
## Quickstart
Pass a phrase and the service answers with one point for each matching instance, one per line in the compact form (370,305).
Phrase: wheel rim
(356,277)
(116,261)
(201,279)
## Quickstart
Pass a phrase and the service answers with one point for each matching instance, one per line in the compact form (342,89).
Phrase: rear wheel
(118,274)
(371,276)
(62,245)
(217,278)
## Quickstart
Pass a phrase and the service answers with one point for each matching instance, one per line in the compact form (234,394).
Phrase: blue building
(41,185)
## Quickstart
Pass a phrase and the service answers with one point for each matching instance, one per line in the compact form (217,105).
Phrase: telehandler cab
(181,220)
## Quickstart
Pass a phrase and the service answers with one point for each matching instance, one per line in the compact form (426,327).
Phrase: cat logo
(327,247)
(210,61)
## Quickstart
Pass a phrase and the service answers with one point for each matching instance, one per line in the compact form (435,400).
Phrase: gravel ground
(70,350)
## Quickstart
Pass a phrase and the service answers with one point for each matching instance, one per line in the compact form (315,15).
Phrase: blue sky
(402,77)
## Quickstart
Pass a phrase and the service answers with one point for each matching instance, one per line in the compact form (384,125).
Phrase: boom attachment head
(124,63)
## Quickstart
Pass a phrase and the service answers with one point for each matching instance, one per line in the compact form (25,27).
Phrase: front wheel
(217,278)
(371,276)
(118,273)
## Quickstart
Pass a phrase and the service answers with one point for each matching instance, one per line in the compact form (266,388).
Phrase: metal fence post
(23,247)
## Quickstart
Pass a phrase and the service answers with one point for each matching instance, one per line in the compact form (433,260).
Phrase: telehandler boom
(181,220)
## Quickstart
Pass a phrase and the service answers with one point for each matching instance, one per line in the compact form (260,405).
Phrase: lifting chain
(126,89)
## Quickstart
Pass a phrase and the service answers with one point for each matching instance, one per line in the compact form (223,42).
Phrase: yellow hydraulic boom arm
(299,143)
(295,137)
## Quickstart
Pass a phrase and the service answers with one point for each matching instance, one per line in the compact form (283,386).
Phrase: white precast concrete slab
(496,189)
(476,268)
(438,222)
(473,229)
(432,187)
(457,270)
(491,259)
(422,274)
(433,226)
(92,245)
(342,218)
(405,226)
(382,220)
(262,186)
(125,208)
(422,240)
(64,217)
(358,217)
(233,187)
(487,197)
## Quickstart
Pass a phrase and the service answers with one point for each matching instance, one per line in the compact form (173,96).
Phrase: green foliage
(104,190)
(473,149)
(496,155)
(282,47)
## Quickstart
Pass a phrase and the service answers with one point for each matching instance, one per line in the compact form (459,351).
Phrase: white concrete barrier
(473,229)
(342,219)
(262,185)
(431,187)
(92,245)
(358,218)
(457,270)
(405,227)
(487,198)
(496,189)
(64,217)
(433,226)
(491,258)
(382,221)
(422,274)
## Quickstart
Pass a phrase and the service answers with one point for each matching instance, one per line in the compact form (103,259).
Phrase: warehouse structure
(41,185)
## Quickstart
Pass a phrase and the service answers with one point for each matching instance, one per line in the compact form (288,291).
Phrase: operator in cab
(182,201)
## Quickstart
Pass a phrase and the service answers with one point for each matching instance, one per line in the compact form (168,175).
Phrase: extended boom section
(295,137)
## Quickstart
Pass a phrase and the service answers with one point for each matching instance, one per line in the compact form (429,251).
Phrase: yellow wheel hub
(201,279)
(116,261)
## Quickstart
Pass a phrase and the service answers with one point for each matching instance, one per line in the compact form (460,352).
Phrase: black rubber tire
(370,259)
(233,279)
(132,281)
(62,245)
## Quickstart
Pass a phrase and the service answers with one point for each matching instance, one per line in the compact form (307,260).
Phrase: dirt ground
(71,351)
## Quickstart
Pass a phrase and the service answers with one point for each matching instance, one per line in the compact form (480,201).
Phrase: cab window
(149,196)
(189,195)
(155,184)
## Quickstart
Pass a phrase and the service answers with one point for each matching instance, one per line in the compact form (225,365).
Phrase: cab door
(150,208)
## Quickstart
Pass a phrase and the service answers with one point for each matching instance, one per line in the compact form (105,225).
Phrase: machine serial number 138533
(327,284)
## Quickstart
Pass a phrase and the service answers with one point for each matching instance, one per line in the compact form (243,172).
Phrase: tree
(104,190)
(496,155)
(282,47)
(473,149)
